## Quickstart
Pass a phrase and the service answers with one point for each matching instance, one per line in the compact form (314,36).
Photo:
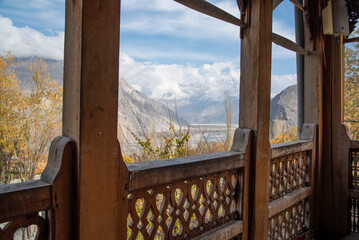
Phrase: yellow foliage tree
(28,121)
(351,88)
(287,136)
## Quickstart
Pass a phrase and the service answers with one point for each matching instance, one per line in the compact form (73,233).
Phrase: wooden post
(336,144)
(255,107)
(90,116)
(313,95)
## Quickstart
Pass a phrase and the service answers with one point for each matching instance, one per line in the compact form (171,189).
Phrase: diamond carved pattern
(183,209)
(288,223)
(288,174)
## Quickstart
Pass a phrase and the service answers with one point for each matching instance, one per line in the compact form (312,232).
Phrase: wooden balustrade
(292,167)
(354,187)
(188,197)
(45,202)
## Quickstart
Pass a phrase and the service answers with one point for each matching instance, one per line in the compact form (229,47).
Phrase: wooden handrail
(283,149)
(154,173)
(21,202)
(288,200)
(354,144)
(23,198)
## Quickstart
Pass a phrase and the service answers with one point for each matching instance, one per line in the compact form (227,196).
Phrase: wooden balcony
(201,197)
(300,190)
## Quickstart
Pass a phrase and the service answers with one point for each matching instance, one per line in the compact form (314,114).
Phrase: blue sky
(167,50)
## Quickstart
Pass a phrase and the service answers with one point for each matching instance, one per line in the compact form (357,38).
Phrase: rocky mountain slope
(136,112)
(283,113)
(141,113)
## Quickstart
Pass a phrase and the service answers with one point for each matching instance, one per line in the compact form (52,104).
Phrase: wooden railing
(42,203)
(188,197)
(292,169)
(354,187)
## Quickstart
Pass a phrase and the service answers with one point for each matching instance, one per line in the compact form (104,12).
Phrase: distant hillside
(136,109)
(283,113)
(137,112)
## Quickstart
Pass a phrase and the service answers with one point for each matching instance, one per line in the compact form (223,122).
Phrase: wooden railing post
(255,79)
(91,66)
(60,172)
(336,144)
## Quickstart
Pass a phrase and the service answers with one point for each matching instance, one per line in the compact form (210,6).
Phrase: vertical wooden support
(90,116)
(313,93)
(336,144)
(255,108)
(60,173)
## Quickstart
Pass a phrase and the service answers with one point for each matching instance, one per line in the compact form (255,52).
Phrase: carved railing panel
(22,203)
(30,226)
(288,173)
(184,209)
(354,215)
(354,167)
(292,167)
(354,187)
(289,223)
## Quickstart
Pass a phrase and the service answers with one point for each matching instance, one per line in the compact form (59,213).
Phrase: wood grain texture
(23,198)
(90,115)
(288,44)
(283,149)
(154,173)
(298,4)
(60,172)
(288,200)
(184,209)
(226,231)
(213,11)
(313,93)
(336,144)
(254,108)
(276,3)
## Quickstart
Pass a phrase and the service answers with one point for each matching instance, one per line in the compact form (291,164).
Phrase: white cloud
(280,82)
(27,42)
(175,81)
(171,18)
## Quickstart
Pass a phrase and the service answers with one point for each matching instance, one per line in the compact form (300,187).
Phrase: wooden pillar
(255,108)
(336,144)
(313,95)
(90,116)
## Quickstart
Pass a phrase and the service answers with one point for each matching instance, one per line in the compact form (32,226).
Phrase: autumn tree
(351,88)
(29,120)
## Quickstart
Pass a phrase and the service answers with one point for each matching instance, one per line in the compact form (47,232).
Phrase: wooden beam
(351,40)
(212,10)
(155,173)
(23,198)
(276,3)
(297,4)
(226,231)
(336,144)
(288,44)
(255,108)
(313,96)
(91,66)
(288,200)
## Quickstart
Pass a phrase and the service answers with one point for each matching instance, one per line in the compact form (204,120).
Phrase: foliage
(28,120)
(128,159)
(351,89)
(286,136)
(173,145)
